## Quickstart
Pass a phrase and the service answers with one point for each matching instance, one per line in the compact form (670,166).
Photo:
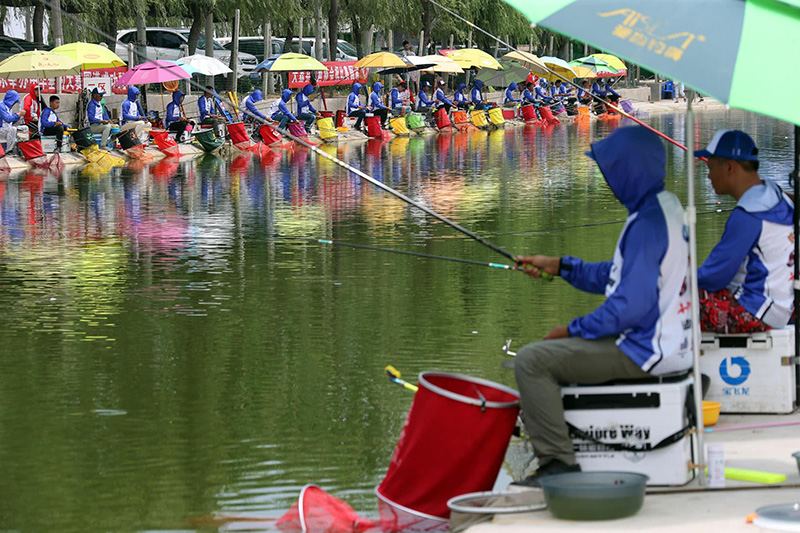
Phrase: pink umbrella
(153,72)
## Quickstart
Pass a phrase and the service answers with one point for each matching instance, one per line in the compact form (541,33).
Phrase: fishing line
(331,158)
(402,252)
(569,82)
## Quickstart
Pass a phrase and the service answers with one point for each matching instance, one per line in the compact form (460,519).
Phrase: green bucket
(208,140)
(415,121)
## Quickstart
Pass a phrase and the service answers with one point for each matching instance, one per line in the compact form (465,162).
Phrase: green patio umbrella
(722,48)
(512,71)
(599,68)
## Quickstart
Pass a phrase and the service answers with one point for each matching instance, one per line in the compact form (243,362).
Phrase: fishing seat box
(49,144)
(751,373)
(640,413)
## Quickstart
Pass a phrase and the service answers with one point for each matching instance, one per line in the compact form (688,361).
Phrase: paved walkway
(690,508)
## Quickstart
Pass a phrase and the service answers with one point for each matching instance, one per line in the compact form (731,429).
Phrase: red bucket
(31,149)
(268,134)
(509,114)
(239,136)
(165,142)
(453,442)
(442,120)
(297,129)
(460,117)
(374,127)
(325,114)
(547,115)
(340,118)
(529,113)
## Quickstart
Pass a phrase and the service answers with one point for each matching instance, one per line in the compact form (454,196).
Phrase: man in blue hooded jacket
(399,108)
(476,95)
(97,114)
(173,118)
(354,107)
(306,111)
(376,106)
(746,281)
(132,114)
(252,112)
(643,328)
(459,98)
(8,119)
(442,101)
(282,114)
(509,100)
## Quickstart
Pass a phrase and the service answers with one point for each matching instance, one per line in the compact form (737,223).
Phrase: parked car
(254,46)
(344,50)
(167,43)
(10,46)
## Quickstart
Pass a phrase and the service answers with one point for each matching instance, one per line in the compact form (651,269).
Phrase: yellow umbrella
(381,60)
(38,64)
(442,65)
(529,61)
(472,57)
(559,67)
(90,56)
(583,72)
(293,62)
(612,60)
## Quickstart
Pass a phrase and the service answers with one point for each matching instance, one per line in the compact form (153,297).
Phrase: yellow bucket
(479,118)
(399,126)
(496,116)
(327,129)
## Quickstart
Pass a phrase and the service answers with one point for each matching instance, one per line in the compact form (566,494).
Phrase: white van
(344,50)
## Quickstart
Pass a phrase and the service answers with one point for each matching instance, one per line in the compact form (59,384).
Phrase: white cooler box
(637,414)
(751,373)
(49,144)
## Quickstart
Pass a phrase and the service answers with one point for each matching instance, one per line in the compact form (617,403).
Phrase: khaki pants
(104,130)
(542,367)
(137,124)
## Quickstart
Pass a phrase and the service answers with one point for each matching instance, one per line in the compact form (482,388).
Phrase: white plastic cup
(715,457)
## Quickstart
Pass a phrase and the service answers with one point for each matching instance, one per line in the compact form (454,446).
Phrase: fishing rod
(569,82)
(329,157)
(404,252)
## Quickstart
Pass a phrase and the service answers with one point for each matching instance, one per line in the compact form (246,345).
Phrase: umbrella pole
(691,215)
(322,93)
(795,176)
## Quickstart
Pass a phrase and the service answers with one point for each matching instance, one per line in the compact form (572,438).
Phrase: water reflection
(170,353)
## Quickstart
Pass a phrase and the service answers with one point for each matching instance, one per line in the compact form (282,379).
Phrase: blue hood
(286,95)
(356,88)
(307,90)
(513,86)
(462,86)
(256,96)
(633,162)
(133,93)
(478,84)
(11,98)
(177,96)
(377,87)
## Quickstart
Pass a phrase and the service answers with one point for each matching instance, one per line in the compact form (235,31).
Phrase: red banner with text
(104,79)
(338,73)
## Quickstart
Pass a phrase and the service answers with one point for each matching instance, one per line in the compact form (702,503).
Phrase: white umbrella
(208,66)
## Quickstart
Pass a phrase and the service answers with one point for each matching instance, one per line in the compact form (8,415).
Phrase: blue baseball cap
(97,91)
(730,144)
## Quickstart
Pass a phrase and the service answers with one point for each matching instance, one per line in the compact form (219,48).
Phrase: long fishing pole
(554,73)
(404,252)
(333,159)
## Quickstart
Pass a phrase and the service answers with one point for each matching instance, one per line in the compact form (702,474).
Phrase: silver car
(172,43)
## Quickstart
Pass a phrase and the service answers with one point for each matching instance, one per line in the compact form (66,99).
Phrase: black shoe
(553,467)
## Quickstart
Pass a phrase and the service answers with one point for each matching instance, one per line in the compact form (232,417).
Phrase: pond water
(173,349)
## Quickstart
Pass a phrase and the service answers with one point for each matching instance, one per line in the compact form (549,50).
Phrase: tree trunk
(209,42)
(56,23)
(359,37)
(3,12)
(110,27)
(234,63)
(318,32)
(300,47)
(369,35)
(38,23)
(333,30)
(267,80)
(141,39)
(287,44)
(427,22)
(198,21)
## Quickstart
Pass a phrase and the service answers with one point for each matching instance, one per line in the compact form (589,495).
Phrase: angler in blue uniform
(8,118)
(399,108)
(585,94)
(252,113)
(51,124)
(423,104)
(477,95)
(459,98)
(638,331)
(509,100)
(442,101)
(174,120)
(354,107)
(283,115)
(611,95)
(99,120)
(746,281)
(527,94)
(305,111)
(132,114)
(541,93)
(376,106)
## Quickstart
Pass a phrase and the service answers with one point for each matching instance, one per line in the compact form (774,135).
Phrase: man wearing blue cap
(99,121)
(746,281)
(641,328)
